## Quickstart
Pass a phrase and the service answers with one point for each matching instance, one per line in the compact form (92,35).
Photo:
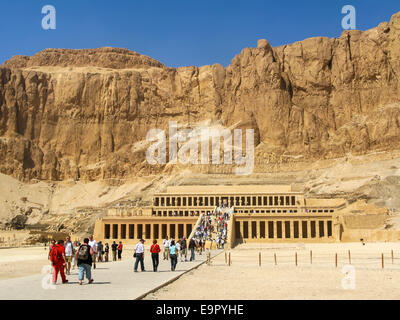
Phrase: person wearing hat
(139,254)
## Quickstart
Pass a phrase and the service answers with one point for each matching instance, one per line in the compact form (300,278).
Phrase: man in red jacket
(58,262)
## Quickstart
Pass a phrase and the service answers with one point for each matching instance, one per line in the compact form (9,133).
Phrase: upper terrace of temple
(237,189)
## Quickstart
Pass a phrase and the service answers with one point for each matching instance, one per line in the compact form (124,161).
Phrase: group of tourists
(213,227)
(172,250)
(65,255)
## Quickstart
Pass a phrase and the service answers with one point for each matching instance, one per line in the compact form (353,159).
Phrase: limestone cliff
(82,114)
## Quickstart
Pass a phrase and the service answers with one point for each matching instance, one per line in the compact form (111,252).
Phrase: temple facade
(261,213)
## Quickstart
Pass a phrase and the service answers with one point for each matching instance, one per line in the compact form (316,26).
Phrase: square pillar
(291,229)
(151,235)
(241,229)
(325,228)
(185,230)
(275,229)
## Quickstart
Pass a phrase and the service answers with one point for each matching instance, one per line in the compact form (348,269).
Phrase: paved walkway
(112,280)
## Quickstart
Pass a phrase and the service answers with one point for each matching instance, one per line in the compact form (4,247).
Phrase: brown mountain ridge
(82,114)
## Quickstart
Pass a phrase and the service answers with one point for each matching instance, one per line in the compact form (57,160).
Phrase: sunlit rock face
(84,114)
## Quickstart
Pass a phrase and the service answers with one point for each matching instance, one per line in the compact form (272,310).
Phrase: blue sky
(178,32)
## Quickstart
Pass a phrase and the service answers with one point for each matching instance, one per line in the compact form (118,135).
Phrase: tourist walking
(184,248)
(192,246)
(114,247)
(69,252)
(84,256)
(57,255)
(52,246)
(93,244)
(106,251)
(178,249)
(74,261)
(119,248)
(155,250)
(139,255)
(166,244)
(172,255)
(100,251)
(200,246)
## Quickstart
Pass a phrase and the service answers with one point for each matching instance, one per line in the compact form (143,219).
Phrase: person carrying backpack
(114,247)
(84,257)
(56,256)
(106,251)
(184,249)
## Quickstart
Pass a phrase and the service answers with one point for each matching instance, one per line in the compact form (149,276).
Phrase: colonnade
(229,200)
(120,231)
(283,228)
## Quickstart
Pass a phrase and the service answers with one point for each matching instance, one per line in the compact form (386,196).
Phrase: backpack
(83,253)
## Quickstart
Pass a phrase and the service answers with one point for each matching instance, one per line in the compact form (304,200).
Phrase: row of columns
(318,234)
(109,230)
(183,201)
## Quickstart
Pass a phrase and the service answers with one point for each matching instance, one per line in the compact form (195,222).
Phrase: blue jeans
(174,261)
(85,268)
(139,258)
(191,254)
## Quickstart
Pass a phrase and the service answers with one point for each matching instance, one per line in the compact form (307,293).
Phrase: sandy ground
(21,262)
(245,279)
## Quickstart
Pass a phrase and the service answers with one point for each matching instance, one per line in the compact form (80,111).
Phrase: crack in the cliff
(349,45)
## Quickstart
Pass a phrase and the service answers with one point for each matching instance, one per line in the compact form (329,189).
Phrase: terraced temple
(265,213)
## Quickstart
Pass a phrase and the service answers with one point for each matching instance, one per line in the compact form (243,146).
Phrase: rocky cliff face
(83,114)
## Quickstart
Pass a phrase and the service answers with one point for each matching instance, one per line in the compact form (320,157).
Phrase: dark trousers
(154,258)
(139,258)
(191,254)
(174,261)
(119,254)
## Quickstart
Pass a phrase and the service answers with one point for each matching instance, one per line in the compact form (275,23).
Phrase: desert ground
(245,279)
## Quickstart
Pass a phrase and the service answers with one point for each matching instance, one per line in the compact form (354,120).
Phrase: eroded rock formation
(82,114)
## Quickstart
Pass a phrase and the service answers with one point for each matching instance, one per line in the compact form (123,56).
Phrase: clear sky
(178,32)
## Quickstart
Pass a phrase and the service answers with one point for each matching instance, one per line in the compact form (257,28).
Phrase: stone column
(275,229)
(151,231)
(185,230)
(309,229)
(326,228)
(301,229)
(291,229)
(241,230)
(258,228)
